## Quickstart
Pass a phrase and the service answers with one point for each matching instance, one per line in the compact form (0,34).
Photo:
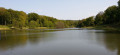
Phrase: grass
(107,27)
(41,28)
(3,27)
(89,27)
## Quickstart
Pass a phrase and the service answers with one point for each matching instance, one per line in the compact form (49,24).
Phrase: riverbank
(88,27)
(104,27)
(109,27)
(3,27)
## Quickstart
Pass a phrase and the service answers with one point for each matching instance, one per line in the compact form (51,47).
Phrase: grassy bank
(109,28)
(3,27)
(105,27)
(40,28)
(88,27)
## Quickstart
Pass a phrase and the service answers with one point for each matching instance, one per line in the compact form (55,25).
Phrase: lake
(73,41)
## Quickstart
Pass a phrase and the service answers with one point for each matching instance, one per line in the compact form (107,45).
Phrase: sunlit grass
(88,27)
(3,27)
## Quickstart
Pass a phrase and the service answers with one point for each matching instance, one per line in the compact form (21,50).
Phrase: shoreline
(107,28)
(24,28)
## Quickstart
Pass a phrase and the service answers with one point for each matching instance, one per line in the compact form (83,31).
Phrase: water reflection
(82,42)
(112,41)
(10,40)
(19,38)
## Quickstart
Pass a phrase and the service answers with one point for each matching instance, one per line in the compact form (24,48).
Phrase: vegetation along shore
(13,19)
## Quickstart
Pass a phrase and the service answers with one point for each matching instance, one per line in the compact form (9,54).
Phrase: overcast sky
(60,9)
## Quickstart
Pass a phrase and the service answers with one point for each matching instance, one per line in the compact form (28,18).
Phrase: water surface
(59,42)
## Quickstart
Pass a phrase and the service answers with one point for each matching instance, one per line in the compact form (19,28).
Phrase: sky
(60,9)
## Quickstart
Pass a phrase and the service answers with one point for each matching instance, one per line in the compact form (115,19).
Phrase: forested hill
(110,17)
(19,19)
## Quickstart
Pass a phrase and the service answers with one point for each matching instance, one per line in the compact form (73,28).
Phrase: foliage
(4,16)
(19,19)
(33,16)
(86,22)
(99,18)
(59,24)
(111,16)
(33,24)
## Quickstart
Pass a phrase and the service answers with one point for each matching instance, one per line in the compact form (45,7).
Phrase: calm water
(59,42)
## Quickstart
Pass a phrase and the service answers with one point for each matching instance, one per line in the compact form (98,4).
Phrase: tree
(60,24)
(50,24)
(18,18)
(81,24)
(118,13)
(45,23)
(111,15)
(33,24)
(119,3)
(22,19)
(4,16)
(90,21)
(33,16)
(99,18)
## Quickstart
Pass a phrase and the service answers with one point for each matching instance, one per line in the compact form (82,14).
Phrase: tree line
(111,17)
(19,19)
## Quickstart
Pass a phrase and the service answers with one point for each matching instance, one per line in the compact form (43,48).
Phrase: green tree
(50,24)
(119,3)
(33,16)
(45,23)
(81,24)
(111,15)
(33,24)
(60,24)
(22,19)
(4,16)
(99,18)
(90,21)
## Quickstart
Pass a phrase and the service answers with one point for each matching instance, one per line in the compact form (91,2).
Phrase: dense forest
(19,19)
(109,17)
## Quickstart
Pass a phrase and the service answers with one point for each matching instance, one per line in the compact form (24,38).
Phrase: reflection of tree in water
(112,41)
(34,39)
(16,38)
(35,36)
(10,40)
